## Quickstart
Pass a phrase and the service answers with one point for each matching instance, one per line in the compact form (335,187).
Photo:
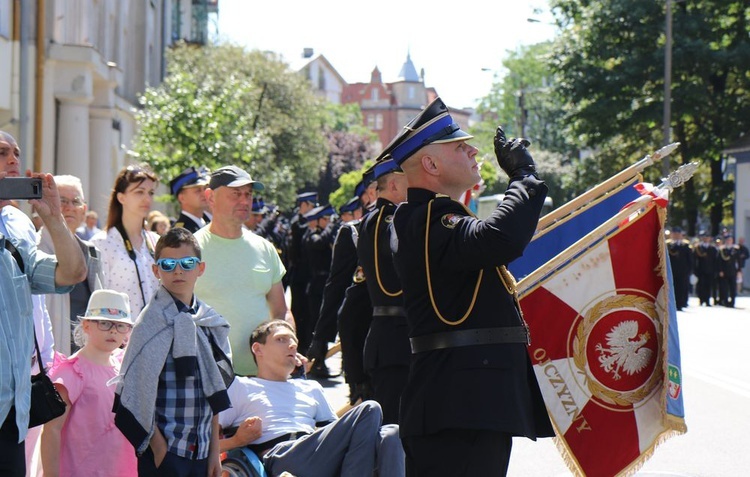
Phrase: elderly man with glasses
(64,310)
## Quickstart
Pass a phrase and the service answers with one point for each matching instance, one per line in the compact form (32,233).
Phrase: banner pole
(604,187)
(584,243)
(675,179)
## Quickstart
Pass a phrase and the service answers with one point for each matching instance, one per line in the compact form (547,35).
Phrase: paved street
(716,387)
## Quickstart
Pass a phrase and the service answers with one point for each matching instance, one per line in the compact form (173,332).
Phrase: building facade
(73,73)
(386,106)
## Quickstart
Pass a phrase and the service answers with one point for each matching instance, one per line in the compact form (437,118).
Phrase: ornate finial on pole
(665,151)
(657,156)
(676,178)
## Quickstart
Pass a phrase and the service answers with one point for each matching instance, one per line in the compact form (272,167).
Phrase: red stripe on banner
(615,445)
(548,318)
(613,350)
(637,274)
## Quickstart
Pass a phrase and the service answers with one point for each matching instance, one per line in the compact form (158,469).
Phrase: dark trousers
(705,288)
(172,466)
(314,300)
(388,383)
(681,289)
(728,289)
(12,453)
(458,453)
(301,313)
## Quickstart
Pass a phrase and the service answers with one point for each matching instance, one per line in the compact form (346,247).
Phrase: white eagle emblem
(625,352)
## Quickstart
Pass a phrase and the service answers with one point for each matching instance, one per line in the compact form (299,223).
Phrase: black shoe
(319,371)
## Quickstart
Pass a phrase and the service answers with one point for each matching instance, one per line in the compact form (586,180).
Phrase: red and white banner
(599,325)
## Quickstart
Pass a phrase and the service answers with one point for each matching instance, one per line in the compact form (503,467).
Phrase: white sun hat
(108,305)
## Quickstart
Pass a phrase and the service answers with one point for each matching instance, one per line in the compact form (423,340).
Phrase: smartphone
(20,188)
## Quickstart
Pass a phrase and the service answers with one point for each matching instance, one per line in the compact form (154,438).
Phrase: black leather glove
(361,391)
(513,156)
(317,350)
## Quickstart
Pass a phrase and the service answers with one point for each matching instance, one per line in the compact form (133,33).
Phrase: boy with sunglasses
(176,370)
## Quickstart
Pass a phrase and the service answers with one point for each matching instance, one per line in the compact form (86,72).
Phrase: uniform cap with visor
(434,125)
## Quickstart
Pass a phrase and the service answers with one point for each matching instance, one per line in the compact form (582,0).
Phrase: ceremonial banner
(568,230)
(600,321)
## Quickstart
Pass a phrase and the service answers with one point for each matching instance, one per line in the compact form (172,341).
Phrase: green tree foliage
(222,105)
(347,183)
(609,66)
(524,104)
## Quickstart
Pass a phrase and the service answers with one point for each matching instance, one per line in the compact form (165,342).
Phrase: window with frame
(378,122)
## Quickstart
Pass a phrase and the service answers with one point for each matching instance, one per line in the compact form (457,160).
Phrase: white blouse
(119,270)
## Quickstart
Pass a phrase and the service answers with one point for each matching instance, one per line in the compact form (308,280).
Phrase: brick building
(386,107)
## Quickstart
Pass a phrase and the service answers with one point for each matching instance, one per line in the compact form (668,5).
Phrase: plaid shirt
(183,414)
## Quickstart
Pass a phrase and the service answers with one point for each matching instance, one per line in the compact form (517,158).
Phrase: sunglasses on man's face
(169,264)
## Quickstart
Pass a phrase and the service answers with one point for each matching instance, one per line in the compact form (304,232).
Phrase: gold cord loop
(377,267)
(429,280)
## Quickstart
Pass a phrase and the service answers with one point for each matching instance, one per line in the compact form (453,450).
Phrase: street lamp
(667,86)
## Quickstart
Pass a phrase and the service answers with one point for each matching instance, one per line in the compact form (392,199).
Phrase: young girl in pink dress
(84,441)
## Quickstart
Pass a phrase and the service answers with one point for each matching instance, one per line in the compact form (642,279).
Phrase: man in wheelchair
(292,428)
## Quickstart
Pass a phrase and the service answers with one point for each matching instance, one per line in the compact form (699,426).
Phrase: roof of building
(408,71)
(740,145)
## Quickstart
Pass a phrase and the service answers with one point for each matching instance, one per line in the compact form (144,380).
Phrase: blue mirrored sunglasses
(169,264)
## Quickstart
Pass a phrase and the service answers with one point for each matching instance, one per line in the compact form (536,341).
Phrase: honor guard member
(718,244)
(355,314)
(346,304)
(343,263)
(471,385)
(256,216)
(705,257)
(744,253)
(299,270)
(387,351)
(189,190)
(350,210)
(317,245)
(273,229)
(681,260)
(728,266)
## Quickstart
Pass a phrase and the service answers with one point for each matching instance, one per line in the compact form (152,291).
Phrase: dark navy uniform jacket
(680,256)
(388,341)
(299,269)
(343,265)
(187,223)
(346,303)
(706,259)
(488,387)
(317,244)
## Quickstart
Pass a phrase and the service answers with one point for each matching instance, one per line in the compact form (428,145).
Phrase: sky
(460,44)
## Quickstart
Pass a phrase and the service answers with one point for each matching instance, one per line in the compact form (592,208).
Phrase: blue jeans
(354,446)
(172,466)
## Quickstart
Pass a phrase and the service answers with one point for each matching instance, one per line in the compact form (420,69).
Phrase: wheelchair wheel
(242,463)
(235,468)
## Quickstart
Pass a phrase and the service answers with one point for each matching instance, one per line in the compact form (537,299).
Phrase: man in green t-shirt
(243,279)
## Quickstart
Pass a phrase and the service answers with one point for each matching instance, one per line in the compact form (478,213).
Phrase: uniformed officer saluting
(471,386)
